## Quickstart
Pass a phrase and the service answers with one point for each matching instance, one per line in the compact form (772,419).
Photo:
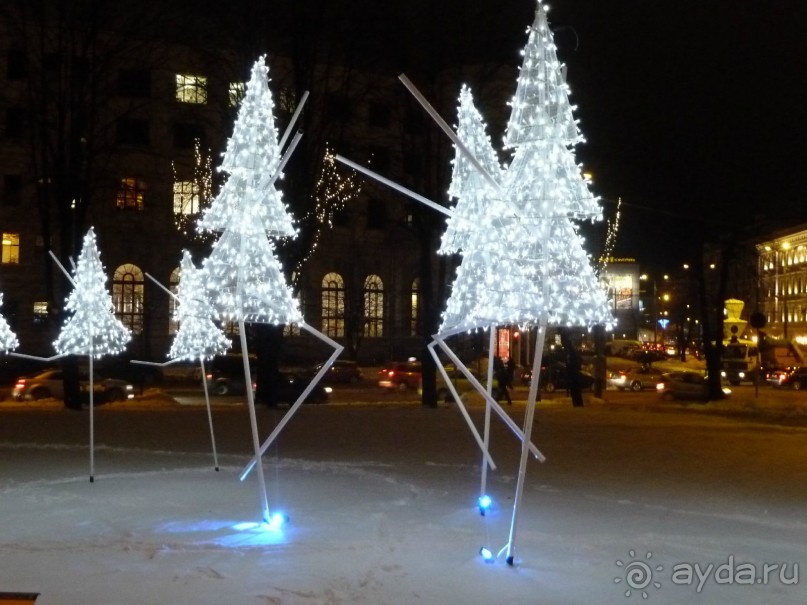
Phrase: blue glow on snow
(486,555)
(484,502)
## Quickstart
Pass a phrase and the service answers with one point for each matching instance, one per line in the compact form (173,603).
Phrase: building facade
(133,152)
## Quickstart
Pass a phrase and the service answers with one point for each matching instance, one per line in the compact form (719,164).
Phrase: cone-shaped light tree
(474,194)
(8,339)
(243,276)
(92,330)
(198,337)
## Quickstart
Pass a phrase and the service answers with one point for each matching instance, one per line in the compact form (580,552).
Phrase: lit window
(191,89)
(11,249)
(173,285)
(187,200)
(236,92)
(40,311)
(373,306)
(414,308)
(130,194)
(127,296)
(333,305)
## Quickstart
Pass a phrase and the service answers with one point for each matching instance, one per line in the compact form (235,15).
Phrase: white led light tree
(523,259)
(468,186)
(92,330)
(8,339)
(243,276)
(198,337)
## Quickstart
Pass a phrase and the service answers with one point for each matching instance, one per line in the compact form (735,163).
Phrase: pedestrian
(502,379)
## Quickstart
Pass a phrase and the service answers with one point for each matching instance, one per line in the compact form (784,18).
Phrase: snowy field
(634,504)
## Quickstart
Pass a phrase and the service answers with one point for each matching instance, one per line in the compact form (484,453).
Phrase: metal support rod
(458,400)
(288,415)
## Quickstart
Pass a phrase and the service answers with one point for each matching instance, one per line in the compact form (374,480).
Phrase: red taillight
(391,373)
(20,384)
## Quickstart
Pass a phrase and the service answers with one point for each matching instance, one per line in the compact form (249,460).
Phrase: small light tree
(8,339)
(92,329)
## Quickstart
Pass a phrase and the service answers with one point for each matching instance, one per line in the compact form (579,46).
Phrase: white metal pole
(294,117)
(394,185)
(448,130)
(263,501)
(92,410)
(495,404)
(484,479)
(287,416)
(209,413)
(528,422)
(458,400)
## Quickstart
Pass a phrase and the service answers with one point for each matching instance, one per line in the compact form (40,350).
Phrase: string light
(202,191)
(93,328)
(334,189)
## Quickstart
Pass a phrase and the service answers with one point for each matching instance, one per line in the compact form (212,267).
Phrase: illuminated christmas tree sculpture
(468,186)
(243,276)
(92,330)
(523,260)
(8,339)
(198,337)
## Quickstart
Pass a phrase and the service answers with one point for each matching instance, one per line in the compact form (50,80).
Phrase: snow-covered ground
(633,500)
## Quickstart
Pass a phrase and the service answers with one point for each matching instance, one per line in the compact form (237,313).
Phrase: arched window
(173,285)
(127,296)
(414,307)
(333,305)
(373,307)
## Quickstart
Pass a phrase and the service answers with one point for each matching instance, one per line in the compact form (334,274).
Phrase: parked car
(49,383)
(341,372)
(792,378)
(226,377)
(686,385)
(635,378)
(225,374)
(554,377)
(400,375)
(461,384)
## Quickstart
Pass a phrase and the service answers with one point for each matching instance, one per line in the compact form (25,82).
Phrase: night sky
(693,110)
(694,113)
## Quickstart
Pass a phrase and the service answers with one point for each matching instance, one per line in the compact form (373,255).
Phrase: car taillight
(20,384)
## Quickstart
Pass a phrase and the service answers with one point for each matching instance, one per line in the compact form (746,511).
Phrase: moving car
(400,375)
(49,384)
(635,378)
(341,372)
(792,378)
(554,377)
(686,385)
